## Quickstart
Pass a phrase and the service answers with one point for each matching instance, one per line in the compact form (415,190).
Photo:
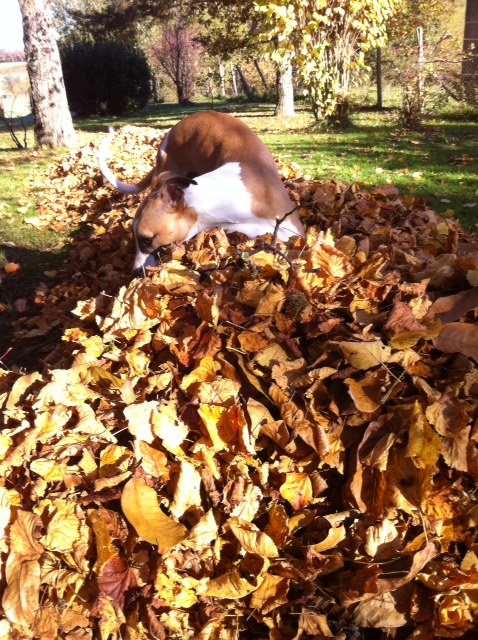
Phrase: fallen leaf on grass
(12,267)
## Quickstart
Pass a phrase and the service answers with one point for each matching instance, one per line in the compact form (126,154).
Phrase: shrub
(105,79)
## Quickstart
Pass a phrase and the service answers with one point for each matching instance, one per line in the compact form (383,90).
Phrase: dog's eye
(145,242)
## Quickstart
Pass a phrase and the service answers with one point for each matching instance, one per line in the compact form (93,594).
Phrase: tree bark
(248,90)
(261,74)
(233,78)
(285,91)
(222,76)
(379,79)
(53,123)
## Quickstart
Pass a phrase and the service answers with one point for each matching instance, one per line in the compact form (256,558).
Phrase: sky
(11,32)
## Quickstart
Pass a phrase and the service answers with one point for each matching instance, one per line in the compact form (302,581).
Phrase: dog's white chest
(220,197)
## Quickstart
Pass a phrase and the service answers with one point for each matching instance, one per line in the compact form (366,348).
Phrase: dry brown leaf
(21,598)
(297,490)
(252,539)
(458,337)
(366,394)
(154,462)
(451,308)
(423,442)
(230,586)
(204,532)
(365,355)
(334,536)
(140,506)
(272,593)
(188,489)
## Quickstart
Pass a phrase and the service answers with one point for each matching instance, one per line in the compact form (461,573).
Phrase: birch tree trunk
(222,76)
(285,91)
(53,123)
(234,79)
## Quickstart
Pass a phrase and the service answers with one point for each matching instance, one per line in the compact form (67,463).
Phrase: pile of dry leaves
(257,441)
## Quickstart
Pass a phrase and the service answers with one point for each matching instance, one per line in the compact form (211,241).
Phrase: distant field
(14,89)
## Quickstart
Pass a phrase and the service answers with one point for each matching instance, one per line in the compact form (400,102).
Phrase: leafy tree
(179,55)
(231,28)
(105,78)
(327,41)
(430,73)
(103,20)
(53,123)
(470,50)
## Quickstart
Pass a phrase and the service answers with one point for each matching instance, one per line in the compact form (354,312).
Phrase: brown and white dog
(211,171)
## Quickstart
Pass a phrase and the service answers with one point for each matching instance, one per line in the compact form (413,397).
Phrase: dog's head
(162,218)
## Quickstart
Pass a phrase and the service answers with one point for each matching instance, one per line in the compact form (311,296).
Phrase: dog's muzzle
(142,261)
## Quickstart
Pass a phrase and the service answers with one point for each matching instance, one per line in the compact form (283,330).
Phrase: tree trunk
(222,76)
(53,123)
(379,79)
(248,90)
(285,91)
(233,78)
(261,74)
(470,44)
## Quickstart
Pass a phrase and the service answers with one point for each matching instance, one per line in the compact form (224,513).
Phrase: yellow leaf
(114,459)
(203,532)
(176,591)
(50,470)
(141,508)
(410,338)
(19,387)
(21,596)
(297,490)
(64,527)
(139,363)
(169,427)
(472,277)
(272,300)
(278,527)
(271,355)
(230,586)
(272,593)
(205,372)
(140,420)
(105,549)
(24,534)
(211,416)
(424,443)
(366,395)
(334,536)
(106,379)
(154,462)
(188,489)
(253,540)
(365,355)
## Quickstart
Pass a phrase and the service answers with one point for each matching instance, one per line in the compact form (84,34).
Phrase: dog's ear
(171,185)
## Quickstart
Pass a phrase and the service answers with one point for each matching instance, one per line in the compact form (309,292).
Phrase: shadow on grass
(20,297)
